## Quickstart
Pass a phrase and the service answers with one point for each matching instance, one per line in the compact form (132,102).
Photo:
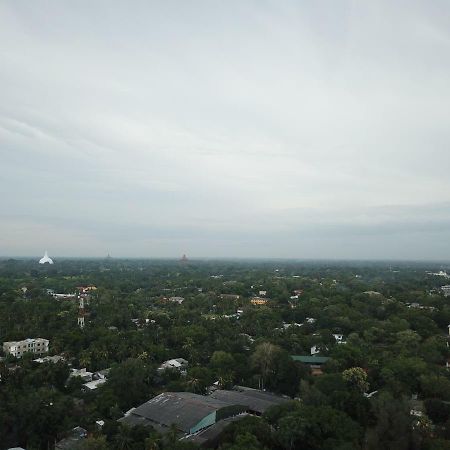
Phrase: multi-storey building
(18,348)
(259,301)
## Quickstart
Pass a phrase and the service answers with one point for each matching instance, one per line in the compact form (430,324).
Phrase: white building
(177,363)
(314,350)
(93,385)
(63,296)
(84,374)
(53,359)
(446,290)
(339,338)
(45,259)
(441,273)
(18,348)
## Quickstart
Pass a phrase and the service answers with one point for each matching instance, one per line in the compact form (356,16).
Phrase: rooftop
(92,385)
(253,399)
(73,440)
(307,359)
(189,412)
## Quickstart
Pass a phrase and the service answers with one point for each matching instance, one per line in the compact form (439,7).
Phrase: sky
(265,128)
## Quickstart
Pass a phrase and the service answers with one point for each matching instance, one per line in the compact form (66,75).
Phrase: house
(53,359)
(178,300)
(441,273)
(315,349)
(314,362)
(258,301)
(73,441)
(446,290)
(179,364)
(96,380)
(18,348)
(86,289)
(82,373)
(142,322)
(63,296)
(230,296)
(101,374)
(373,293)
(339,338)
(289,325)
(93,385)
(262,293)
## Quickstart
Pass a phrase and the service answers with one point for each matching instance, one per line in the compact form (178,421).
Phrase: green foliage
(317,428)
(393,424)
(391,348)
(356,377)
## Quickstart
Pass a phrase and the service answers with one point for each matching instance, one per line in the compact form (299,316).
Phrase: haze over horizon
(225,129)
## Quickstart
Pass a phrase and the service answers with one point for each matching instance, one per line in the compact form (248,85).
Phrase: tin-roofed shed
(187,411)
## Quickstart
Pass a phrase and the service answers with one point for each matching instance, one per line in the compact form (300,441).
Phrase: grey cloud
(225,129)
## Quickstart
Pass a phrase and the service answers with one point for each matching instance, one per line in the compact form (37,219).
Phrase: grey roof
(73,441)
(255,400)
(183,409)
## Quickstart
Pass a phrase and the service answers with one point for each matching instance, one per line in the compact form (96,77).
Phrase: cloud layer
(255,128)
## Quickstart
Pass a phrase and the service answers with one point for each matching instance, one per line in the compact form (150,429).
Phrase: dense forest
(387,386)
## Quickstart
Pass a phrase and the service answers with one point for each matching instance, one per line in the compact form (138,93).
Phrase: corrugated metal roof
(253,399)
(183,409)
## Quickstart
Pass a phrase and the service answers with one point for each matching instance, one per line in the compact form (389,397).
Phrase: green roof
(310,359)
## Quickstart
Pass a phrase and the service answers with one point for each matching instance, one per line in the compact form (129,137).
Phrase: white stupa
(45,259)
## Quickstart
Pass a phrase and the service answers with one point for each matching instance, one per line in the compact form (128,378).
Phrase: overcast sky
(242,128)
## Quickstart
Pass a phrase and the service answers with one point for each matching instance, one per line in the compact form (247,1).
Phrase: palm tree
(172,436)
(194,384)
(152,443)
(85,359)
(124,439)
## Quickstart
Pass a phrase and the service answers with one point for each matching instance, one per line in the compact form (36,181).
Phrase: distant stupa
(184,258)
(45,259)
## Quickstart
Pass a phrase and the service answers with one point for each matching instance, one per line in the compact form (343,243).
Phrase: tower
(46,259)
(81,313)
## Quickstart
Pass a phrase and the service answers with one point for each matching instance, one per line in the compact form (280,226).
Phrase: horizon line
(238,258)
